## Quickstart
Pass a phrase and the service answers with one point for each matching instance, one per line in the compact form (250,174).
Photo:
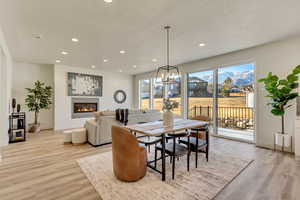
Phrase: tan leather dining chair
(129,159)
(202,134)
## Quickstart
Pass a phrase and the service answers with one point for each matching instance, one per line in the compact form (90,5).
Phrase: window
(145,94)
(158,93)
(200,93)
(174,93)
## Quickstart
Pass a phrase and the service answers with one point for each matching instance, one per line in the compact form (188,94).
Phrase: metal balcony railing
(227,117)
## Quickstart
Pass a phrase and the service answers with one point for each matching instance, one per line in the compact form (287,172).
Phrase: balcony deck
(246,134)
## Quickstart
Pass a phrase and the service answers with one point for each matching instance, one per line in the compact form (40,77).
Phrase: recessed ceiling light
(64,53)
(201,44)
(120,70)
(134,66)
(105,60)
(36,36)
(122,52)
(58,61)
(107,1)
(93,66)
(75,40)
(154,60)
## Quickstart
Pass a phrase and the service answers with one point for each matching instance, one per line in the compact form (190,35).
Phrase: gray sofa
(99,129)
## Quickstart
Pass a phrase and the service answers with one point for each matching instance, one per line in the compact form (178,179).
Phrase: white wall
(5,88)
(111,83)
(24,76)
(278,57)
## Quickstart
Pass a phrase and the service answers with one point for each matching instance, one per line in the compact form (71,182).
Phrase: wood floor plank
(43,168)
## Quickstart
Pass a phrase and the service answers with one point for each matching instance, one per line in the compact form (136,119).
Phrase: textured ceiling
(136,26)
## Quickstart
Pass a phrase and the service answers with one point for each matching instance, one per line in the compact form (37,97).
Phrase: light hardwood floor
(42,168)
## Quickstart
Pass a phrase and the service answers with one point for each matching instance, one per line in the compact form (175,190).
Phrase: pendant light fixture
(167,73)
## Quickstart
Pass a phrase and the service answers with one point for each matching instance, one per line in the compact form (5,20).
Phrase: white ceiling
(137,27)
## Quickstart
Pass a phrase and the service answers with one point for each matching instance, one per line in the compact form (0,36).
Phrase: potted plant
(38,98)
(168,106)
(281,92)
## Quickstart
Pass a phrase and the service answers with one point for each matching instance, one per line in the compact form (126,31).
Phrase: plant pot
(34,128)
(168,118)
(283,140)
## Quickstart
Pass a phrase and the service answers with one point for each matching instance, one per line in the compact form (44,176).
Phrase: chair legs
(188,155)
(173,158)
(173,167)
(155,158)
(196,159)
(206,153)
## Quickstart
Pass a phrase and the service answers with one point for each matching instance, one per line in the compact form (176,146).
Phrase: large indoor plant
(168,107)
(38,98)
(281,92)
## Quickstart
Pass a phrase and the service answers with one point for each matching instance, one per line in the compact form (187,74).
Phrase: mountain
(244,78)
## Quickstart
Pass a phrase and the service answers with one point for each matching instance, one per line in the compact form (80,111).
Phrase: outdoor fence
(228,117)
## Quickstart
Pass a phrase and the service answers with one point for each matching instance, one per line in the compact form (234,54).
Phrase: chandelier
(167,73)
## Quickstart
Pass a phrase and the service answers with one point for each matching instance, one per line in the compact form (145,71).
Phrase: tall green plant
(39,97)
(281,92)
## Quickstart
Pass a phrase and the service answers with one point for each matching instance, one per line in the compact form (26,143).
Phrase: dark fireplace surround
(84,107)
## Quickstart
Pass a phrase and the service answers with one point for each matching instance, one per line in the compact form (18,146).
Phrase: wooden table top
(157,128)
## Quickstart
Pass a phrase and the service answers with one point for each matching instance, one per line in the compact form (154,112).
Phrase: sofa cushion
(135,111)
(97,115)
(108,113)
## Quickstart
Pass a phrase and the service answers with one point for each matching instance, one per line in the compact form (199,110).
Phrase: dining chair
(196,144)
(129,159)
(147,141)
(175,150)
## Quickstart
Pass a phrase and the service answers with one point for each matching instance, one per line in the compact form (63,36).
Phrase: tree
(281,92)
(39,97)
(227,85)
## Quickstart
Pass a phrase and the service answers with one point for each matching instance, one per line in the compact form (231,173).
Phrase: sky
(238,68)
(234,69)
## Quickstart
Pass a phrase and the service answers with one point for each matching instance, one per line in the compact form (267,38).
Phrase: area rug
(203,183)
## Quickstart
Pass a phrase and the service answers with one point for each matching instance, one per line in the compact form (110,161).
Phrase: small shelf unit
(17,127)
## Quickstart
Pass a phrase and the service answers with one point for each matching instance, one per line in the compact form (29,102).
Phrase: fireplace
(84,107)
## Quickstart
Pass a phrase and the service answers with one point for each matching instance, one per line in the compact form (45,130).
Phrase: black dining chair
(175,150)
(147,141)
(197,144)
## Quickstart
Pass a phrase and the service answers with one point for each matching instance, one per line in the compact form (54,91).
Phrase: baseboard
(99,145)
(232,138)
(3,142)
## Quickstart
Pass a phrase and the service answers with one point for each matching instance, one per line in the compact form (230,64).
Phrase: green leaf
(296,70)
(292,96)
(292,78)
(293,85)
(283,82)
(277,112)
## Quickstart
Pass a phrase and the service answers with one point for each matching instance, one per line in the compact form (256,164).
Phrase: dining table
(157,128)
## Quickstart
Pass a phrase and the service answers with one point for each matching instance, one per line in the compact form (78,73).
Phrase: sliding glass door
(235,101)
(226,96)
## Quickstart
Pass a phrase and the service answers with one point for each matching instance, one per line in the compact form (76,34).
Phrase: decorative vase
(18,108)
(283,140)
(168,118)
(34,128)
(13,104)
